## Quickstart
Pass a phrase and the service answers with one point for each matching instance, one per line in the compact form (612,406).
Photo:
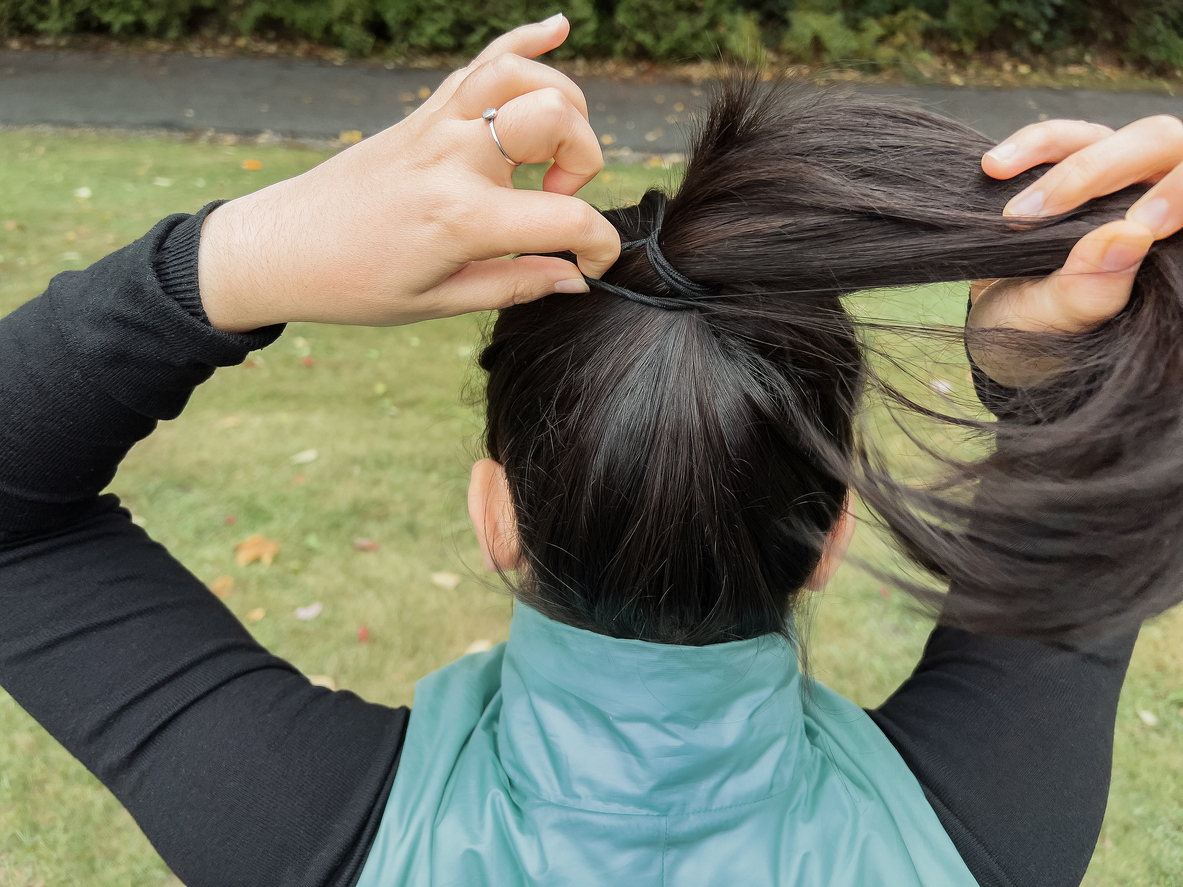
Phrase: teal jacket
(565,757)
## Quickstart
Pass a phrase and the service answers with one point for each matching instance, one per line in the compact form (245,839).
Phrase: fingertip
(1114,247)
(998,162)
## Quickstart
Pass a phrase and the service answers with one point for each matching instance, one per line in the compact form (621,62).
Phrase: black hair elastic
(670,276)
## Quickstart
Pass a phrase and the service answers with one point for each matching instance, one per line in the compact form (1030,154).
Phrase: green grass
(387,413)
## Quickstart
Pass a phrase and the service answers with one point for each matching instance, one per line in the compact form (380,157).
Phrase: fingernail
(1005,151)
(1028,204)
(574,285)
(554,20)
(1152,214)
(1121,256)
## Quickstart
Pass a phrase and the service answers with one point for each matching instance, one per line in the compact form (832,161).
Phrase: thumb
(1098,276)
(500,283)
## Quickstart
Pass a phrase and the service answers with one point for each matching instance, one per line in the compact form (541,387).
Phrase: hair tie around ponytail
(690,291)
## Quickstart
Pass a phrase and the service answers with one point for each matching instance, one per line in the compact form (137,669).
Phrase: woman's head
(674,474)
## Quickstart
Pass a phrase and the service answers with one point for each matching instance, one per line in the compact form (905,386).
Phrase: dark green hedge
(876,32)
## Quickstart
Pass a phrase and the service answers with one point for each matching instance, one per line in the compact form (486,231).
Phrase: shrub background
(876,33)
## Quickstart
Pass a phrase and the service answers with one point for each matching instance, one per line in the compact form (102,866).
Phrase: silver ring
(490,115)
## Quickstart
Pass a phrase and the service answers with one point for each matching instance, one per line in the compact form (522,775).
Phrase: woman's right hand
(1091,160)
(416,221)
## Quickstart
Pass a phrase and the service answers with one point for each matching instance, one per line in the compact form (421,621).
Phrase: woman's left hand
(416,221)
(1091,160)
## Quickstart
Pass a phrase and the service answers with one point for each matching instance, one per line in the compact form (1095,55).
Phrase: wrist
(230,268)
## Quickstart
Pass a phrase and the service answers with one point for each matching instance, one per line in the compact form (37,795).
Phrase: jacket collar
(628,726)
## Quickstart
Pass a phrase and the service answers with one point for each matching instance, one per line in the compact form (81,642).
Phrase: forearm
(1012,740)
(235,767)
(88,369)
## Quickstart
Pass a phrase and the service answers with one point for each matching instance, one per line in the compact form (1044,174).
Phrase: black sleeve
(1012,741)
(236,768)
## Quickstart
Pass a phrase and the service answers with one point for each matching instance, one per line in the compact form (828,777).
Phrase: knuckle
(1078,172)
(507,63)
(1166,127)
(551,102)
(521,291)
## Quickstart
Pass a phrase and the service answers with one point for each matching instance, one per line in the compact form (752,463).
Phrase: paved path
(307,99)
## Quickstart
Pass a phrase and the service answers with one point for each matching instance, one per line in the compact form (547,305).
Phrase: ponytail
(675,472)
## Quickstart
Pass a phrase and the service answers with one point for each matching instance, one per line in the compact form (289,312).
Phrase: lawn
(390,416)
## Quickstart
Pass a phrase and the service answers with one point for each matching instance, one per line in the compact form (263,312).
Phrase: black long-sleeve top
(241,772)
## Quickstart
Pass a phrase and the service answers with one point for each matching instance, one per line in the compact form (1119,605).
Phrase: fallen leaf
(256,614)
(253,165)
(322,680)
(230,520)
(229,422)
(350,136)
(363,634)
(308,361)
(479,646)
(424,92)
(309,612)
(1149,718)
(299,480)
(304,457)
(445,580)
(255,548)
(360,544)
(222,586)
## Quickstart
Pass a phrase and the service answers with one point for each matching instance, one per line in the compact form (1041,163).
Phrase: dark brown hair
(674,473)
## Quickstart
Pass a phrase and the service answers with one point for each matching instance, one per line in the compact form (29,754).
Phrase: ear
(491,509)
(835,549)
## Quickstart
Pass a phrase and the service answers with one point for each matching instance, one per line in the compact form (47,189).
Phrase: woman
(650,733)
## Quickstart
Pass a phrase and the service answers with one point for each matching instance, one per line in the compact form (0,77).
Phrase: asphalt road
(307,99)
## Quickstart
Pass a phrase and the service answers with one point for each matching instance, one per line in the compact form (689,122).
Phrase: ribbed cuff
(176,262)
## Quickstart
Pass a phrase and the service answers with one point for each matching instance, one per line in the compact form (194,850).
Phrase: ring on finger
(490,114)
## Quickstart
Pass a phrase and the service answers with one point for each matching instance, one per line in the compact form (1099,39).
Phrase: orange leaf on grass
(360,544)
(255,548)
(256,614)
(253,165)
(222,586)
